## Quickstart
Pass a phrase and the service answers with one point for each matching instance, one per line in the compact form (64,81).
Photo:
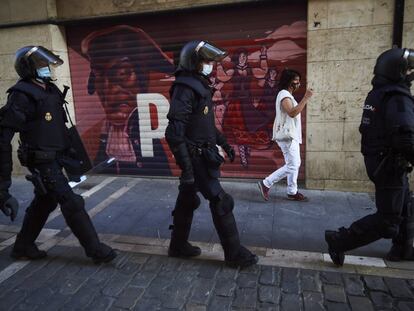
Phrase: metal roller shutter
(122,70)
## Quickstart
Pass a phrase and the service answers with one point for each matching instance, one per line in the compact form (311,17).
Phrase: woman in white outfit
(287,132)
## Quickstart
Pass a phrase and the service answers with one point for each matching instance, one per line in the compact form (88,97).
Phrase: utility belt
(209,152)
(196,150)
(67,159)
(29,157)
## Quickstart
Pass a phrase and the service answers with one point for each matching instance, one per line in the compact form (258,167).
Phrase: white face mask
(44,73)
(207,69)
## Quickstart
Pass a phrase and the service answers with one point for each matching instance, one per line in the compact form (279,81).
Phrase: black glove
(8,205)
(184,162)
(230,152)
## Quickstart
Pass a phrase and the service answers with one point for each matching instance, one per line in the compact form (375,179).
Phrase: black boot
(82,227)
(187,202)
(235,255)
(344,240)
(337,256)
(33,222)
(401,252)
(22,250)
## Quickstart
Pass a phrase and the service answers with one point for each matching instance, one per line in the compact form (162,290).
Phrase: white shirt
(281,115)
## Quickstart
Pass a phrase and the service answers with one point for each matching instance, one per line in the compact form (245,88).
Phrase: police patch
(205,110)
(48,116)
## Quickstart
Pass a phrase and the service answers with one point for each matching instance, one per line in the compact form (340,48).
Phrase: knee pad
(72,204)
(222,204)
(187,200)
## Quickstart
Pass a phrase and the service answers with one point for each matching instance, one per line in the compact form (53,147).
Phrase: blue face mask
(44,73)
(207,69)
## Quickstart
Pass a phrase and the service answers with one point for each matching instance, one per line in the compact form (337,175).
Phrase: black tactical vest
(374,136)
(46,129)
(201,128)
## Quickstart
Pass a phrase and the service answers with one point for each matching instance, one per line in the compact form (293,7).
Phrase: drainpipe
(398,25)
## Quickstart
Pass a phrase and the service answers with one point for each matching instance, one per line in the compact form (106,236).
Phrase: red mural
(122,71)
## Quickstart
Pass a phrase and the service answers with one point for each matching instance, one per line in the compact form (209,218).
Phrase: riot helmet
(33,62)
(393,65)
(195,52)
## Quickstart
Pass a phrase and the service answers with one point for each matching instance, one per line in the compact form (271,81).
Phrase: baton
(96,169)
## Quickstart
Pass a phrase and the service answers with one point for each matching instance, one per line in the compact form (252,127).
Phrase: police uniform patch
(48,116)
(205,109)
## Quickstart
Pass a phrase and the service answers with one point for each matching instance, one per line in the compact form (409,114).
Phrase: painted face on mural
(117,87)
(242,59)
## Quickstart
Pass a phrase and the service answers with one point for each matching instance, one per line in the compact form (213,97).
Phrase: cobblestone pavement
(68,281)
(132,216)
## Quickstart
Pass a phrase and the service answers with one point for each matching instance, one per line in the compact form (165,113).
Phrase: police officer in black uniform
(387,129)
(192,137)
(35,109)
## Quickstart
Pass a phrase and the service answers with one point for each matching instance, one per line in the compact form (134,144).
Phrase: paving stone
(270,294)
(224,287)
(195,307)
(290,302)
(84,296)
(87,270)
(310,281)
(245,298)
(209,270)
(382,300)
(398,288)
(354,285)
(290,281)
(269,275)
(145,304)
(154,263)
(143,278)
(312,301)
(174,264)
(267,307)
(336,306)
(24,307)
(218,303)
(201,290)
(116,284)
(39,295)
(104,273)
(174,296)
(156,288)
(334,293)
(254,269)
(56,303)
(405,306)
(360,303)
(331,278)
(228,272)
(247,280)
(13,298)
(129,297)
(375,283)
(100,303)
(72,285)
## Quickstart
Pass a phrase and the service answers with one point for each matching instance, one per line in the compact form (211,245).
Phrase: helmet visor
(42,57)
(209,52)
(409,56)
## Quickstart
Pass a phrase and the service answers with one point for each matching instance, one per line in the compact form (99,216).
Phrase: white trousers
(291,153)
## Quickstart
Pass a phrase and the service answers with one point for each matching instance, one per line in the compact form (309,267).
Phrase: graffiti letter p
(147,132)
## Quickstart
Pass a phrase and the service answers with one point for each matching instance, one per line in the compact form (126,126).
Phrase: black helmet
(195,52)
(30,58)
(394,63)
